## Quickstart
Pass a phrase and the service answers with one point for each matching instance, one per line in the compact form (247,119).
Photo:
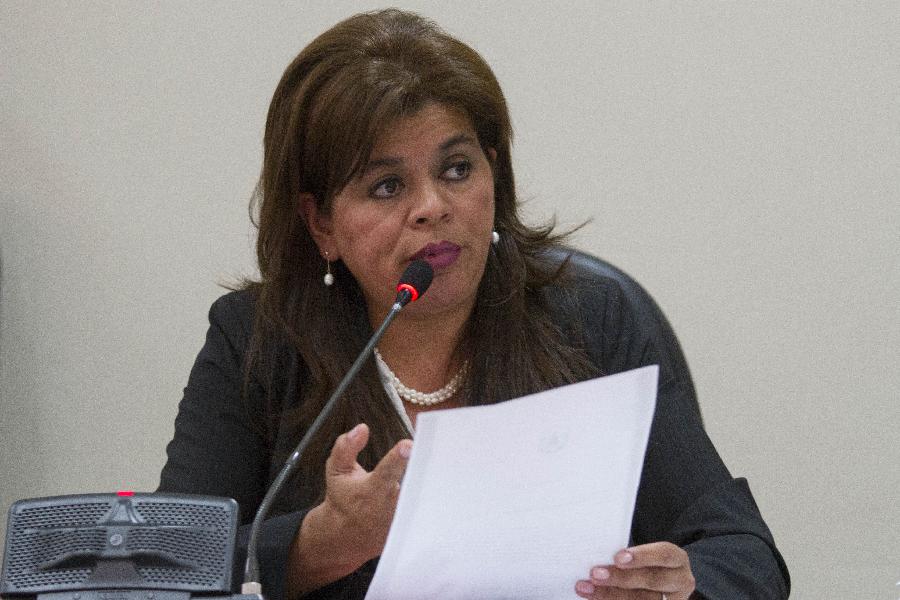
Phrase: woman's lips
(439,255)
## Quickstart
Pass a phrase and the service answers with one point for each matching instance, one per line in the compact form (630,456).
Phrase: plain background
(741,160)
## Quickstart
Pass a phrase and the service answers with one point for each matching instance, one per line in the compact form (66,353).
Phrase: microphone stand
(251,583)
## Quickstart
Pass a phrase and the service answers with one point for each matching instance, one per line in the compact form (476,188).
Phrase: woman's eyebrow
(390,161)
(461,138)
(380,162)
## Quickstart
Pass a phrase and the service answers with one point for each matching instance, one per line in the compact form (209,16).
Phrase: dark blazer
(686,495)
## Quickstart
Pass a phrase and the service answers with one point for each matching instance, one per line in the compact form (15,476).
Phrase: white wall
(741,160)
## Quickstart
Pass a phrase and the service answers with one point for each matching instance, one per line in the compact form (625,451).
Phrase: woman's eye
(386,188)
(458,170)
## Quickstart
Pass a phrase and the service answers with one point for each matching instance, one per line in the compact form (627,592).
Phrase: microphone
(413,283)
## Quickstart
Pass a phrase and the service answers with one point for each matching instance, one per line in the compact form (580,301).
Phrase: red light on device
(413,291)
(125,493)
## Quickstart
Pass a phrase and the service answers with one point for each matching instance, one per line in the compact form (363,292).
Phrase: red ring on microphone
(412,291)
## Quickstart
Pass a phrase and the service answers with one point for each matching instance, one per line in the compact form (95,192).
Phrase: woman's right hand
(351,525)
(363,502)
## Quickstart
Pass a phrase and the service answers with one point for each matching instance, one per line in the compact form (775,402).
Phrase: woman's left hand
(646,572)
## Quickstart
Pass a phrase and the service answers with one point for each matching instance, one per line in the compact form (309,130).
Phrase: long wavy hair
(323,122)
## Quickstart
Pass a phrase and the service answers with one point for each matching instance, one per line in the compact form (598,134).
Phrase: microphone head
(414,282)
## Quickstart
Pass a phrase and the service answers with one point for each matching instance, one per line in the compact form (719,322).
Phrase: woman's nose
(430,206)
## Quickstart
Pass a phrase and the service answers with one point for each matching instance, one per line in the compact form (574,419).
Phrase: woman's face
(427,192)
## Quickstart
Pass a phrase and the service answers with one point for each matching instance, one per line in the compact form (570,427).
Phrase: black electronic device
(123,546)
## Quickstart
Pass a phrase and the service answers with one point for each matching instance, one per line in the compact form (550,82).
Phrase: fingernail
(355,431)
(405,450)
(624,558)
(599,573)
(584,587)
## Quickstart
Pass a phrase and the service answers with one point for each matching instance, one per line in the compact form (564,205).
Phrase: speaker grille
(170,513)
(66,515)
(38,535)
(174,542)
(204,549)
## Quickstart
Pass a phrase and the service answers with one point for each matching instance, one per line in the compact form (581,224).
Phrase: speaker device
(121,546)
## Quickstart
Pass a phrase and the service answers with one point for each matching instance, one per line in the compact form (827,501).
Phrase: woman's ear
(319,225)
(492,155)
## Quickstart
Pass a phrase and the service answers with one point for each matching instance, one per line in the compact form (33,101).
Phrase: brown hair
(325,116)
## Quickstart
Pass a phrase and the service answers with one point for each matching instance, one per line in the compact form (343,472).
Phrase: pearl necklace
(423,398)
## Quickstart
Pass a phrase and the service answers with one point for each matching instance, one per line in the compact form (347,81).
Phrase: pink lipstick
(440,255)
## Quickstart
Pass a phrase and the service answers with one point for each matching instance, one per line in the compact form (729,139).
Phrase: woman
(386,141)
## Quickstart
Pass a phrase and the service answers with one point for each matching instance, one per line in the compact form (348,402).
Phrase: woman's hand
(646,572)
(363,502)
(351,525)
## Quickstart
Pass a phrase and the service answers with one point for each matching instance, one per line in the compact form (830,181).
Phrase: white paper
(519,499)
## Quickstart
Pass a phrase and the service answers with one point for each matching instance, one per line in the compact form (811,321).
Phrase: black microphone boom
(413,283)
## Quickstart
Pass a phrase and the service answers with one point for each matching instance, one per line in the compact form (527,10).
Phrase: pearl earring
(329,278)
(495,238)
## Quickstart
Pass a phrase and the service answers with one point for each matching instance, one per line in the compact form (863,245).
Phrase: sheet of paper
(519,499)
